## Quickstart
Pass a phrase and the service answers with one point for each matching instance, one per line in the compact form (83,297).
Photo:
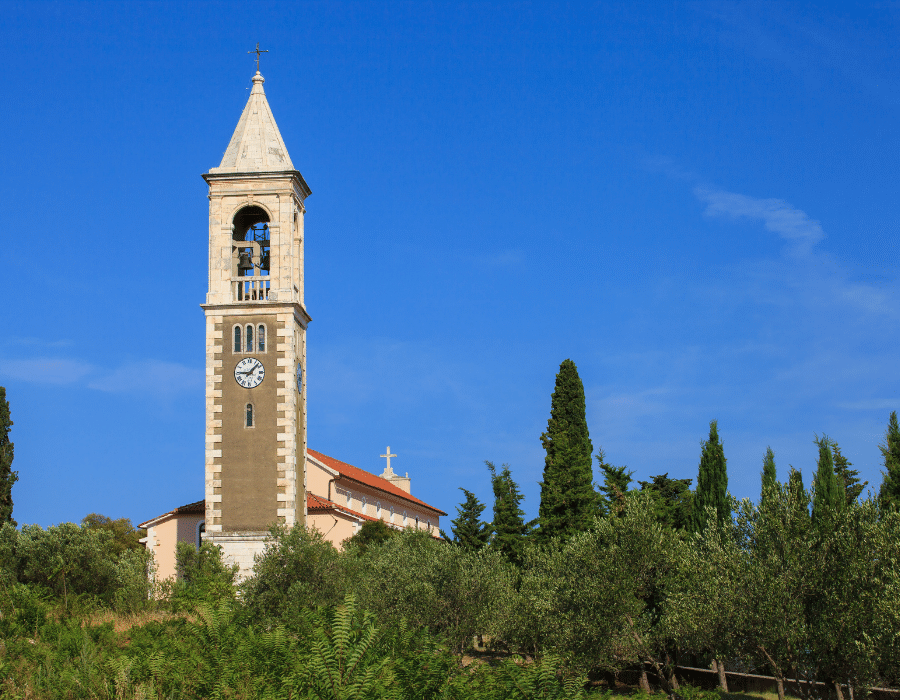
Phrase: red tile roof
(198,507)
(317,503)
(348,471)
(195,508)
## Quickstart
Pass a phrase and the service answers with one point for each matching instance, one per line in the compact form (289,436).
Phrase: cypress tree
(509,525)
(798,491)
(769,474)
(615,486)
(847,477)
(7,476)
(889,495)
(712,482)
(568,500)
(468,530)
(828,494)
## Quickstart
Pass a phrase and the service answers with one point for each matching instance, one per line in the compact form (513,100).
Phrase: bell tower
(255,338)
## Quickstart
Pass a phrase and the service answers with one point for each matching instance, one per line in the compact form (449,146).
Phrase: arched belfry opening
(250,253)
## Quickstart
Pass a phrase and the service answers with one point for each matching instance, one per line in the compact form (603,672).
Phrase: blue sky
(695,202)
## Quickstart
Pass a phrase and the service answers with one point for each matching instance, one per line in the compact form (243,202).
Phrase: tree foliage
(124,535)
(509,528)
(371,534)
(568,500)
(828,495)
(847,477)
(712,482)
(7,476)
(453,591)
(890,452)
(201,574)
(614,489)
(589,600)
(298,570)
(769,476)
(671,500)
(469,530)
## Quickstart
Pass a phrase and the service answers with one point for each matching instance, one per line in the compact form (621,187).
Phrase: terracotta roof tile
(364,477)
(314,503)
(198,507)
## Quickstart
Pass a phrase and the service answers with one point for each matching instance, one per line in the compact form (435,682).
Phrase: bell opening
(252,243)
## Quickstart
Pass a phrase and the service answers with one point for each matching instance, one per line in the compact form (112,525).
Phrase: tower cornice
(257,307)
(255,176)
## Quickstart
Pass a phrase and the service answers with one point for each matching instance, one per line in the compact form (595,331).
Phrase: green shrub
(590,599)
(298,571)
(201,576)
(68,560)
(452,591)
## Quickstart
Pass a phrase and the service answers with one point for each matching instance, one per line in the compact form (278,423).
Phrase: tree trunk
(673,681)
(838,691)
(645,684)
(780,681)
(670,667)
(723,681)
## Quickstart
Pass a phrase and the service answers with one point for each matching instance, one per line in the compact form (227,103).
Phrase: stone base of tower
(239,548)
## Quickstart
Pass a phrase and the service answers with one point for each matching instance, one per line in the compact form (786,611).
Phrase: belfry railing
(250,288)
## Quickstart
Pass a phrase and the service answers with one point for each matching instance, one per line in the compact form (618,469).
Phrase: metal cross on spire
(388,457)
(258,51)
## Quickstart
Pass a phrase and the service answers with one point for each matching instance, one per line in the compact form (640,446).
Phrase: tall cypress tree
(847,477)
(712,482)
(798,492)
(509,524)
(7,476)
(828,494)
(469,531)
(769,474)
(568,500)
(890,451)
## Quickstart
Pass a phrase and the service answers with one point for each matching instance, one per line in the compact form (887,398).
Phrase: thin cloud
(147,377)
(45,371)
(776,214)
(150,377)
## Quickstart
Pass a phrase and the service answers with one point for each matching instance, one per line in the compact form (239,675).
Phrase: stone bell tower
(255,338)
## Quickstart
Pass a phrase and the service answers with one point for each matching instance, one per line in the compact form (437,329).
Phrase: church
(259,469)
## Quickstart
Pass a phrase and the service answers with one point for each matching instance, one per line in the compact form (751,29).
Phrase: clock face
(249,372)
(299,377)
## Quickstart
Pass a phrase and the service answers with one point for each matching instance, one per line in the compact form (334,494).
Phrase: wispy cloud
(18,341)
(147,377)
(777,215)
(45,371)
(150,377)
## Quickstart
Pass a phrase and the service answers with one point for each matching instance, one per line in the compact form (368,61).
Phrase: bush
(591,599)
(450,590)
(67,560)
(298,571)
(201,576)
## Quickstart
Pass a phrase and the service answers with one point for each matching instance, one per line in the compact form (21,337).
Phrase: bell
(244,263)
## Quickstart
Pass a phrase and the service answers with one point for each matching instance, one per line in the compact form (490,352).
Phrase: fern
(343,664)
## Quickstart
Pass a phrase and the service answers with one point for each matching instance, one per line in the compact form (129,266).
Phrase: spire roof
(256,145)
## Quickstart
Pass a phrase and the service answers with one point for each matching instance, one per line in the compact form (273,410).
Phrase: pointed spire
(256,145)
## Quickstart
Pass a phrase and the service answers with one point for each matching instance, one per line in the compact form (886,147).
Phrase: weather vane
(258,51)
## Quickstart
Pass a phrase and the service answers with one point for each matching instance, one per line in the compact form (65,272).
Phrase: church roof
(195,508)
(348,471)
(256,145)
(318,503)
